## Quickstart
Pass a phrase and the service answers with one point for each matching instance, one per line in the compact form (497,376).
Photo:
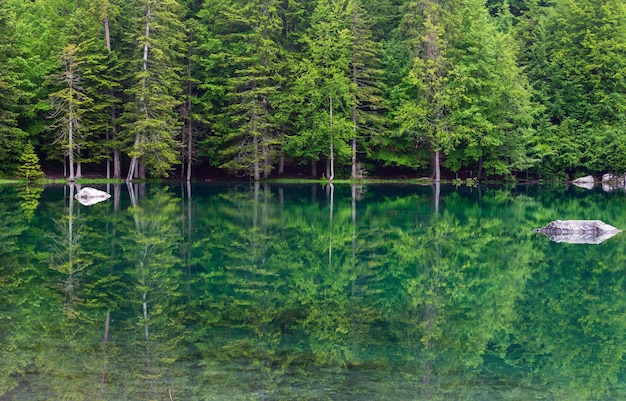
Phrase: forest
(512,89)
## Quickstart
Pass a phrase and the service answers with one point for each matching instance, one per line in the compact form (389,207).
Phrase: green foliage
(12,92)
(152,125)
(29,170)
(579,46)
(498,87)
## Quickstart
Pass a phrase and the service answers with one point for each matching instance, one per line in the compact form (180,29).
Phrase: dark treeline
(341,88)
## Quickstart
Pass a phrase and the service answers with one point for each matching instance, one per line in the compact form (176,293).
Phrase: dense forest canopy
(324,88)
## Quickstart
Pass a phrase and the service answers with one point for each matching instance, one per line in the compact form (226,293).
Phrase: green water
(219,292)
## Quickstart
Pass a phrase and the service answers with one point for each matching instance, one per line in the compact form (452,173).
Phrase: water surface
(237,292)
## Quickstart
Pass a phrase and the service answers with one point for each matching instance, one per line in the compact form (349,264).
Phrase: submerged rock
(578,231)
(90,196)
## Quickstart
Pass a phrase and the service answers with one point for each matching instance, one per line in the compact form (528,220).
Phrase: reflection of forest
(268,292)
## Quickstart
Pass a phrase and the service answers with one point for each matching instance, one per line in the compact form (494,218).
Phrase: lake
(309,292)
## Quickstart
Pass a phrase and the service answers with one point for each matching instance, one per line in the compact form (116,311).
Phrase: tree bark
(331,174)
(437,166)
(133,162)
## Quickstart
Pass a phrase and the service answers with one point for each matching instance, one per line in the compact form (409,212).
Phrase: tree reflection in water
(267,292)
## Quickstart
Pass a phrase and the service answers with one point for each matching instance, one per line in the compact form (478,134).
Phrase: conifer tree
(99,76)
(324,88)
(490,113)
(68,105)
(110,83)
(366,102)
(12,96)
(587,95)
(152,124)
(423,110)
(250,32)
(29,170)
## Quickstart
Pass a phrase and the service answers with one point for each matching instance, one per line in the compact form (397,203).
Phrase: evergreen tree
(99,72)
(152,123)
(575,61)
(253,55)
(109,84)
(366,103)
(209,69)
(588,96)
(68,105)
(425,100)
(29,170)
(490,112)
(324,88)
(12,95)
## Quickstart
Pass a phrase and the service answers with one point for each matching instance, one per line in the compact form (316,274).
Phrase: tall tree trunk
(257,170)
(437,166)
(117,164)
(144,84)
(331,174)
(354,125)
(188,124)
(313,168)
(70,135)
(266,162)
(133,163)
(79,164)
(189,150)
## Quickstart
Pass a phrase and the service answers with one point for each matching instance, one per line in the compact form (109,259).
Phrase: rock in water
(90,196)
(585,182)
(578,231)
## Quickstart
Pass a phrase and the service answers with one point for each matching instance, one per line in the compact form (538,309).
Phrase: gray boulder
(613,182)
(586,182)
(90,196)
(578,231)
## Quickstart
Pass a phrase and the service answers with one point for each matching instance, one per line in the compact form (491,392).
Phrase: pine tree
(366,102)
(30,169)
(153,124)
(109,84)
(588,91)
(324,88)
(251,52)
(99,79)
(491,113)
(423,111)
(12,96)
(68,105)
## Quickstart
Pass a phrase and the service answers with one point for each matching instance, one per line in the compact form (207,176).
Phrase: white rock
(90,196)
(578,231)
(585,179)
